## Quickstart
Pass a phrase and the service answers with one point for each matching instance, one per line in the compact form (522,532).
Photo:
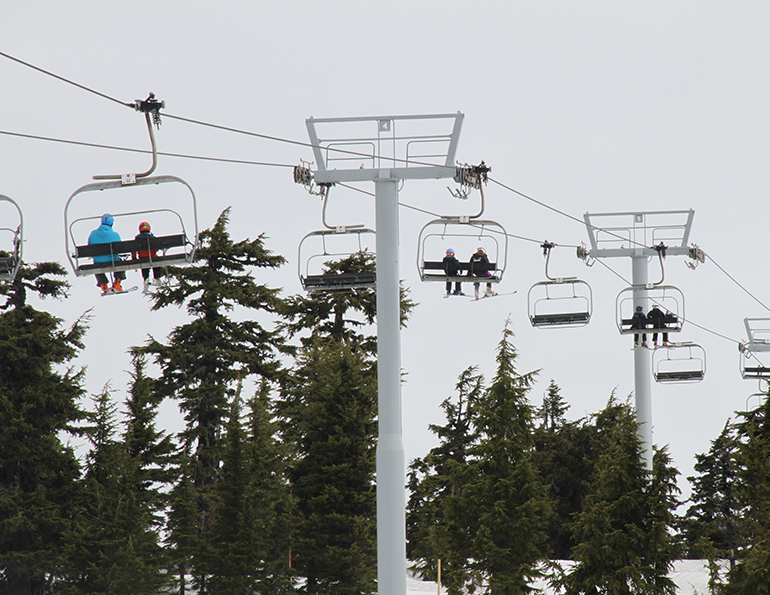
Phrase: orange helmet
(144,226)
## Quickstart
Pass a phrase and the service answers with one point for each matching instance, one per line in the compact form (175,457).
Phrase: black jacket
(451,266)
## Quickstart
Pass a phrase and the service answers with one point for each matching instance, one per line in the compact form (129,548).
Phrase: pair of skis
(481,297)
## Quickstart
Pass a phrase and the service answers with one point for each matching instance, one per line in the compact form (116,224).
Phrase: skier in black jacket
(479,267)
(452,268)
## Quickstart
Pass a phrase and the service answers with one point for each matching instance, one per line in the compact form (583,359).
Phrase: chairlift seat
(679,376)
(560,318)
(464,266)
(126,247)
(7,266)
(670,320)
(341,281)
(756,372)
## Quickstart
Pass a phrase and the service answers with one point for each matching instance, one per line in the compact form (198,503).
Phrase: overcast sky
(584,106)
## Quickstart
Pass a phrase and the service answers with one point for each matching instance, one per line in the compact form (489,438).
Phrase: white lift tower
(642,236)
(387,150)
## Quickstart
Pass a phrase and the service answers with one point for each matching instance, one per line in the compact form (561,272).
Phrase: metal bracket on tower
(697,255)
(583,254)
(469,177)
(303,175)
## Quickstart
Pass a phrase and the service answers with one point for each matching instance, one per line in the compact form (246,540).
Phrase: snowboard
(126,290)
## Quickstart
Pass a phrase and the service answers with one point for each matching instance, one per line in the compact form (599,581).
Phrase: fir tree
(623,532)
(114,545)
(433,524)
(504,502)
(563,450)
(751,575)
(269,496)
(249,541)
(710,526)
(39,402)
(205,359)
(328,414)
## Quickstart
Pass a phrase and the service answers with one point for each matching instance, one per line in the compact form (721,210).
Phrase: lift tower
(387,150)
(642,236)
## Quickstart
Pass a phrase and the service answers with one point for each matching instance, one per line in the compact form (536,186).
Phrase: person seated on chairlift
(656,318)
(479,267)
(104,234)
(452,268)
(639,321)
(145,233)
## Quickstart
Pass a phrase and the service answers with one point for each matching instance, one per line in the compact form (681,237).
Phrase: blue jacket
(104,234)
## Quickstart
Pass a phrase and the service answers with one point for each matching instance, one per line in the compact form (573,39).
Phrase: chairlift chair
(559,302)
(679,362)
(320,281)
(12,245)
(433,239)
(754,360)
(326,281)
(668,298)
(175,249)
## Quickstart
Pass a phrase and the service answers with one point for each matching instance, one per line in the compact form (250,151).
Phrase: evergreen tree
(269,495)
(205,360)
(114,545)
(339,316)
(232,539)
(504,503)
(183,541)
(553,409)
(710,526)
(752,573)
(39,402)
(249,541)
(328,414)
(623,532)
(563,450)
(433,528)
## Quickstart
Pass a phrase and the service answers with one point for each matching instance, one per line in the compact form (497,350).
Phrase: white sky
(588,107)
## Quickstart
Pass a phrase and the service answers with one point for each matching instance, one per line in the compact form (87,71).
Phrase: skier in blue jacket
(104,234)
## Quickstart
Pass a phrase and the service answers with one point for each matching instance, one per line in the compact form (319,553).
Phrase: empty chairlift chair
(679,362)
(324,280)
(560,301)
(755,353)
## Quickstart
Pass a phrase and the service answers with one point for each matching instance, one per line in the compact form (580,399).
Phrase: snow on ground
(691,578)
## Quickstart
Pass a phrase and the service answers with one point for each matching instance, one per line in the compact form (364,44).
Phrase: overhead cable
(66,80)
(146,151)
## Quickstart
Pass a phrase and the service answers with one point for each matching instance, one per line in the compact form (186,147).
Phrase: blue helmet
(107,219)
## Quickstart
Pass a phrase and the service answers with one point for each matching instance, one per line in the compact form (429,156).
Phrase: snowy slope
(690,576)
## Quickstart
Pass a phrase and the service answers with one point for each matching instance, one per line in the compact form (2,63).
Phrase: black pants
(101,278)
